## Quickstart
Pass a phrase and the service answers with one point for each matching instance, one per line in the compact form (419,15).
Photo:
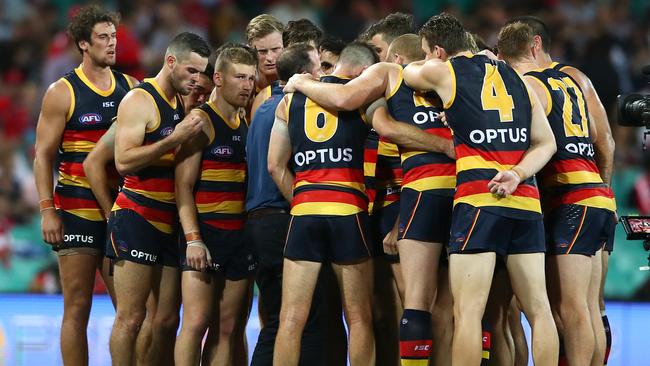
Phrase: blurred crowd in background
(607,39)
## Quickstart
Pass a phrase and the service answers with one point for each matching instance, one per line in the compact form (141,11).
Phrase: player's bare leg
(442,318)
(198,290)
(419,262)
(569,277)
(608,333)
(598,357)
(529,285)
(470,276)
(299,280)
(77,279)
(518,335)
(107,277)
(143,342)
(355,282)
(221,343)
(496,316)
(133,284)
(166,319)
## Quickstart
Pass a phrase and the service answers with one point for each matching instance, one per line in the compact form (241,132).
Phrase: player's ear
(83,44)
(439,52)
(170,60)
(537,42)
(218,79)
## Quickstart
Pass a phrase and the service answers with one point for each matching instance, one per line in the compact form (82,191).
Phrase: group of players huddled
(446,190)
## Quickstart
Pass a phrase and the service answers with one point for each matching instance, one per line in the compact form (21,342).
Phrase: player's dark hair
(332,44)
(539,29)
(185,43)
(359,53)
(445,31)
(294,60)
(209,69)
(391,27)
(514,41)
(81,26)
(301,30)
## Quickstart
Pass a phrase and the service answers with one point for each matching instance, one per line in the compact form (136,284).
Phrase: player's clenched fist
(187,128)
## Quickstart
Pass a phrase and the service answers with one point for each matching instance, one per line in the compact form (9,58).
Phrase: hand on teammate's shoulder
(294,81)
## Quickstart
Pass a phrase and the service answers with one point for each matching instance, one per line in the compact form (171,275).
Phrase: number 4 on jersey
(494,96)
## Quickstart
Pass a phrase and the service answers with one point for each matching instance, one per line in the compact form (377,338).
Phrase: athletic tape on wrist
(200,244)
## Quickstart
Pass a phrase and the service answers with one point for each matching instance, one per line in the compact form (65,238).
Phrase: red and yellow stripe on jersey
(571,176)
(490,114)
(382,171)
(150,191)
(423,171)
(477,167)
(327,155)
(220,192)
(90,115)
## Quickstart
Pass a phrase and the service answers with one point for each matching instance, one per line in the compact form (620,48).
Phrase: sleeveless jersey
(382,171)
(219,193)
(90,115)
(423,171)
(571,176)
(490,113)
(150,191)
(327,158)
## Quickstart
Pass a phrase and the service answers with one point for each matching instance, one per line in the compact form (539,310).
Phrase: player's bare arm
(403,134)
(188,165)
(362,90)
(135,114)
(602,138)
(280,152)
(542,147)
(430,75)
(95,169)
(49,131)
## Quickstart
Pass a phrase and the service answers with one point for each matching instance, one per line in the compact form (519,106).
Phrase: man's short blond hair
(408,46)
(261,26)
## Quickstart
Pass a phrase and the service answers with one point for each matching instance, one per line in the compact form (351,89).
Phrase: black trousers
(268,234)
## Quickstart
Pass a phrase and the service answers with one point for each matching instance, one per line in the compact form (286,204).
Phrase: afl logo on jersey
(167,131)
(222,151)
(90,119)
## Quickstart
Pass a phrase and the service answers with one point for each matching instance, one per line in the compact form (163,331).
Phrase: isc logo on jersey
(502,135)
(323,156)
(223,151)
(90,119)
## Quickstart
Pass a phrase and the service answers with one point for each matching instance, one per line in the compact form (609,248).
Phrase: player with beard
(95,166)
(77,110)
(143,243)
(210,190)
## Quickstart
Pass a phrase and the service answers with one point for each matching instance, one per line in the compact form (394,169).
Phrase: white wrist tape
(200,244)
